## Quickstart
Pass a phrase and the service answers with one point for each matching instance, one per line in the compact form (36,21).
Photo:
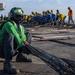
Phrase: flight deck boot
(22,58)
(9,68)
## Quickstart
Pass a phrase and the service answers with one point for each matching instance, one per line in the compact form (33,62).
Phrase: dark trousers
(9,46)
(70,18)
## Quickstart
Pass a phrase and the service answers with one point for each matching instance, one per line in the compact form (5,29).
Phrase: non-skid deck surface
(30,69)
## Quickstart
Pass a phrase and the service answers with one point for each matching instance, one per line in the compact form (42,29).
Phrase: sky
(38,5)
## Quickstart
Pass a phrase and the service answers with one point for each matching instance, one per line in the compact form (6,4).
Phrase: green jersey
(11,28)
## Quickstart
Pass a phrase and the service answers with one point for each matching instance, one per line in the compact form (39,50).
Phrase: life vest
(70,13)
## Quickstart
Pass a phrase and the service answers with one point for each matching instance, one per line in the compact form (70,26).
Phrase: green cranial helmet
(16,13)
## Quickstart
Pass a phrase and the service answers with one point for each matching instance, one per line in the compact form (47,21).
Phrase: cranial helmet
(69,8)
(17,13)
